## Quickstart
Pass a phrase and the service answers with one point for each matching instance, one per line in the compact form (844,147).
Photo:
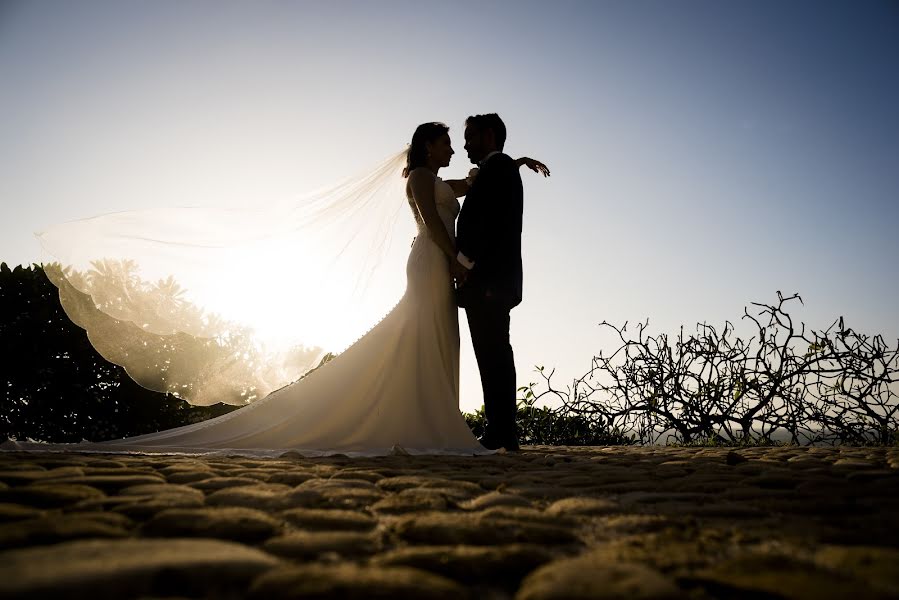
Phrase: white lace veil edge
(225,304)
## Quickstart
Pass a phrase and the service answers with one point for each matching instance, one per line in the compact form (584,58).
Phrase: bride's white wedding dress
(396,390)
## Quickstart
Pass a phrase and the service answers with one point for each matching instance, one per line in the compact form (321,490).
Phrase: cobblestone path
(559,522)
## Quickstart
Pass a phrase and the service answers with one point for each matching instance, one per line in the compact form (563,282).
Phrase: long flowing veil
(225,304)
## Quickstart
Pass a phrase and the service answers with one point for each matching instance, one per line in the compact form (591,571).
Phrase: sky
(704,154)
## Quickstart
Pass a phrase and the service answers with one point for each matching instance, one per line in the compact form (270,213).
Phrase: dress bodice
(447,207)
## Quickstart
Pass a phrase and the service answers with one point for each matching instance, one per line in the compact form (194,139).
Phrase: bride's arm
(534,165)
(421,181)
(461,186)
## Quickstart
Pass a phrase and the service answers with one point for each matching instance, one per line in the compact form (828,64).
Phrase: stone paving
(545,523)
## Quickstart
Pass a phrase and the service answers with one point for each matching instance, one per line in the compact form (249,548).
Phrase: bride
(395,390)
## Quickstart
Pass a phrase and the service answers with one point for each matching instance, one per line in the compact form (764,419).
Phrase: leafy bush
(544,426)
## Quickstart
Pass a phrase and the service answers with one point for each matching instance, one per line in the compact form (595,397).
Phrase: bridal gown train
(395,390)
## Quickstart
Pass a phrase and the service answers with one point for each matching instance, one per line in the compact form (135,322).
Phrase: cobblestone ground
(560,522)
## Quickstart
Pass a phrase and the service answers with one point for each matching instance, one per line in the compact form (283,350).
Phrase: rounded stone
(183,467)
(112,519)
(370,476)
(51,495)
(631,524)
(855,463)
(876,565)
(182,477)
(32,474)
(12,462)
(351,582)
(495,499)
(650,498)
(145,507)
(411,500)
(476,529)
(52,529)
(781,576)
(162,488)
(525,515)
(119,471)
(105,463)
(114,569)
(232,523)
(505,565)
(265,496)
(454,494)
(350,498)
(590,578)
(291,478)
(260,475)
(328,520)
(404,482)
(469,487)
(306,545)
(583,506)
(18,512)
(303,498)
(219,483)
(541,492)
(114,483)
(321,484)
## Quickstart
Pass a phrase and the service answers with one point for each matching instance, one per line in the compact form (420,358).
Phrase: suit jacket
(488,232)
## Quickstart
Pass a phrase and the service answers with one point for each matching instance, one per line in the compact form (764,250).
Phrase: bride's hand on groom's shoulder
(534,165)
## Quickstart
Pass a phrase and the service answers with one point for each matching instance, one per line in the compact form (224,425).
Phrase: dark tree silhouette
(56,387)
(165,342)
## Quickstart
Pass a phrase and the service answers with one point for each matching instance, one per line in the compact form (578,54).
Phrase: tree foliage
(165,342)
(57,388)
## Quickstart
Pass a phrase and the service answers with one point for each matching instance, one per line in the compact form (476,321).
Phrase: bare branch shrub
(785,383)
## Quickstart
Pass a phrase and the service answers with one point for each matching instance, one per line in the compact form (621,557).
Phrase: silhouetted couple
(396,390)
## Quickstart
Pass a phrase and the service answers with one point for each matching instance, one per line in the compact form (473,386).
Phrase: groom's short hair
(490,121)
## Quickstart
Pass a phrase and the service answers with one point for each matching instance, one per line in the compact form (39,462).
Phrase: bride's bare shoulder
(420,179)
(422,173)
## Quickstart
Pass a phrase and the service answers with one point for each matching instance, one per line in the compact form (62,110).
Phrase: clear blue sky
(704,154)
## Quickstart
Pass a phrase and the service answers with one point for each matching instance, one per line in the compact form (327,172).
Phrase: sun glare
(289,301)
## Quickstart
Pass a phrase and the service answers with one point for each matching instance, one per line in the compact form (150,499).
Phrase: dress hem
(103,448)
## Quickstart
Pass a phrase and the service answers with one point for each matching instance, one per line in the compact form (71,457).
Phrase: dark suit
(488,232)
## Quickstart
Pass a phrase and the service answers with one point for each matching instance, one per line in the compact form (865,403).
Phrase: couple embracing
(396,390)
(485,260)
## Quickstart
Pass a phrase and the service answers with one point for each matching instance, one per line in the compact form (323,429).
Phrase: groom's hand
(459,272)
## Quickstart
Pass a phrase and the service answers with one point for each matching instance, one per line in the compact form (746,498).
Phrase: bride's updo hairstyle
(417,155)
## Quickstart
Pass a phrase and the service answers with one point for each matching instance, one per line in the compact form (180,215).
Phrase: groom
(488,236)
